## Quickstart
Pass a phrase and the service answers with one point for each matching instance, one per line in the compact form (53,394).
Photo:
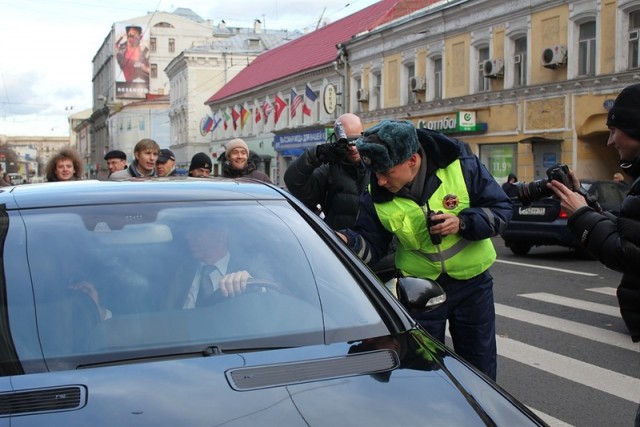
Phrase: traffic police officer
(443,206)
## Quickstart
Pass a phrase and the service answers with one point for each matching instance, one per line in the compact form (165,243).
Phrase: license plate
(531,211)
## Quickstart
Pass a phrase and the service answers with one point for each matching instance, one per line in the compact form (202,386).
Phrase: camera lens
(529,192)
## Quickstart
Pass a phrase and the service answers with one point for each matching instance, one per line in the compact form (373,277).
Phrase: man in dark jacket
(615,241)
(330,177)
(144,165)
(443,207)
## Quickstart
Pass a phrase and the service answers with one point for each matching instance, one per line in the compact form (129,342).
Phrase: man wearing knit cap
(200,165)
(443,207)
(237,163)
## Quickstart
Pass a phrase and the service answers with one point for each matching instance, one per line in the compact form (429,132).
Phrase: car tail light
(562,214)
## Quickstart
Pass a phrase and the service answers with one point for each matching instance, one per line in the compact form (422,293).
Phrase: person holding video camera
(331,175)
(615,241)
(443,206)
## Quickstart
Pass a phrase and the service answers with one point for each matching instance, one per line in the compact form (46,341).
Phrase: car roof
(136,190)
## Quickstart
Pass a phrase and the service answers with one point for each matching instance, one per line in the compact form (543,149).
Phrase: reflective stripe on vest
(416,255)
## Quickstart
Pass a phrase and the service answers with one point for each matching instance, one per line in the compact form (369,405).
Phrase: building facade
(290,96)
(526,83)
(199,71)
(120,77)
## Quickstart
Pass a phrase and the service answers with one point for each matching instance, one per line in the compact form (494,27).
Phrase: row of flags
(261,111)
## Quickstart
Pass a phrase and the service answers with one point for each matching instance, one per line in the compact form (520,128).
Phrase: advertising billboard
(132,56)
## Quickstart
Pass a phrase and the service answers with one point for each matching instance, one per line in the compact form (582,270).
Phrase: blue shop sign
(304,139)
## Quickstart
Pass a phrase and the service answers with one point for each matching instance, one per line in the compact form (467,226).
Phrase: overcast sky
(46,47)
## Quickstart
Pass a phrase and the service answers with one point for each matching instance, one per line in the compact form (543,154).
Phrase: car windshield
(108,280)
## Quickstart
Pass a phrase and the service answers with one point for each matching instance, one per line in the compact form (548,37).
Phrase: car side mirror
(418,295)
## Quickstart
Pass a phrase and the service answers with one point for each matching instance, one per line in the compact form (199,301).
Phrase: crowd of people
(149,160)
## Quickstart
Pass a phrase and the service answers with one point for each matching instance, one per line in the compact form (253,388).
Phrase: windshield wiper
(147,355)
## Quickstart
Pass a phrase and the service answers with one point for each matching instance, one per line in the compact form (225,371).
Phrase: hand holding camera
(338,150)
(332,152)
(562,183)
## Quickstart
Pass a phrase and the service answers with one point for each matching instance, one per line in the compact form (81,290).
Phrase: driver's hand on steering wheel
(233,284)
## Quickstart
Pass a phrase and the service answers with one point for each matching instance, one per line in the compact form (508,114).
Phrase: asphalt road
(563,348)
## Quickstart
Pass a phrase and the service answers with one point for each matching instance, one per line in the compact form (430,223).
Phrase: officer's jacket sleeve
(491,209)
(307,179)
(368,238)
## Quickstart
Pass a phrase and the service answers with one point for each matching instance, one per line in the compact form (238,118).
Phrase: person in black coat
(615,241)
(328,182)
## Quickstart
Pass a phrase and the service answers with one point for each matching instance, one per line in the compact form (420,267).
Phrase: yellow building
(526,83)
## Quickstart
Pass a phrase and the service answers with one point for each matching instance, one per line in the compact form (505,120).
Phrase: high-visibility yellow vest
(416,255)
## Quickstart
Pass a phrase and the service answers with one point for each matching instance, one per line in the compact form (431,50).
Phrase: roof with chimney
(315,49)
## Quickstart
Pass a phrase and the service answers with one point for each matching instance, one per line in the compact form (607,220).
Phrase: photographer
(331,175)
(615,241)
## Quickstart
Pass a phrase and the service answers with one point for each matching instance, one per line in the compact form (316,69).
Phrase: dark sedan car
(543,222)
(92,332)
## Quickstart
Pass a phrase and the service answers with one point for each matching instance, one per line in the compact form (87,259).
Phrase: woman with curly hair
(66,165)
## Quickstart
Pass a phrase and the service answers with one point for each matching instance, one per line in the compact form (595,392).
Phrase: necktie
(206,285)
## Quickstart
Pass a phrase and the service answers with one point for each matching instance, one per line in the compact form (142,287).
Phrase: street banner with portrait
(132,58)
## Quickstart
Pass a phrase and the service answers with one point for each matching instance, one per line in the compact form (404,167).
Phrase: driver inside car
(215,271)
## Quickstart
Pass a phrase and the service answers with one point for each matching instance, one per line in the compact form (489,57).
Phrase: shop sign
(329,98)
(464,121)
(300,139)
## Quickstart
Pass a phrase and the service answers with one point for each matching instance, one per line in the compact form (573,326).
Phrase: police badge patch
(450,201)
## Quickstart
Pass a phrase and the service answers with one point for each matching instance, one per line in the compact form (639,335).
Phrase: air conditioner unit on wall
(554,56)
(418,83)
(493,68)
(362,95)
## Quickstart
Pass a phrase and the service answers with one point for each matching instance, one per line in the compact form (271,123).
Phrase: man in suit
(216,269)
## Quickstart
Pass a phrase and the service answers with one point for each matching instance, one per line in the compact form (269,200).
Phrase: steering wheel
(254,286)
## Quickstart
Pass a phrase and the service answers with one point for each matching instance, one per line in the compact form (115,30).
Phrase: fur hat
(235,143)
(388,144)
(625,113)
(200,160)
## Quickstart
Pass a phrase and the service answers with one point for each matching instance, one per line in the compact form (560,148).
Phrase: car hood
(403,379)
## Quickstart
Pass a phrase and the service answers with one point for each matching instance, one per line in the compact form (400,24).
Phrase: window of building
(634,37)
(437,78)
(154,70)
(412,98)
(483,82)
(361,96)
(375,101)
(500,159)
(153,44)
(587,49)
(520,62)
(172,45)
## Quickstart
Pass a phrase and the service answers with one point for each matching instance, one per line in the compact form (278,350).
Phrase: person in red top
(132,57)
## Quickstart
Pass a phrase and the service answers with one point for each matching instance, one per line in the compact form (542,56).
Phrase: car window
(138,264)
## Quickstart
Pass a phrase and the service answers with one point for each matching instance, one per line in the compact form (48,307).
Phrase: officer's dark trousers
(472,320)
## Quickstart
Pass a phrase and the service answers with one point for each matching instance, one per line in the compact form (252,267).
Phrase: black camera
(529,192)
(436,239)
(338,149)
